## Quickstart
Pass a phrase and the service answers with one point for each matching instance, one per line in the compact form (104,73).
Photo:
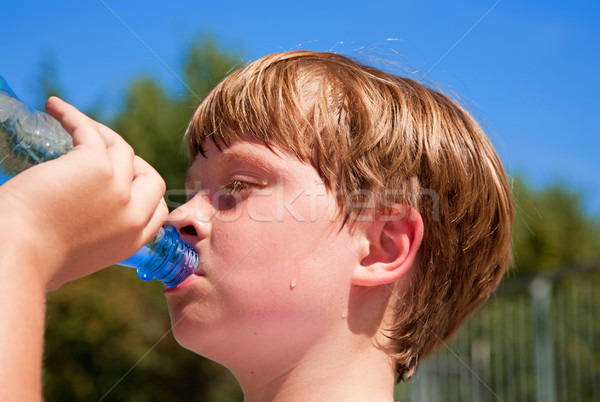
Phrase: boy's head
(378,141)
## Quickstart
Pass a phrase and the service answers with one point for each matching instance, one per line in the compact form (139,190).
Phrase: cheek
(281,258)
(299,267)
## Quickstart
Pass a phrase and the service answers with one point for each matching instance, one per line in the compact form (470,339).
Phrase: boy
(348,222)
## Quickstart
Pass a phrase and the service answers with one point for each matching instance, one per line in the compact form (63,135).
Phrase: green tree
(206,64)
(154,121)
(552,229)
(148,121)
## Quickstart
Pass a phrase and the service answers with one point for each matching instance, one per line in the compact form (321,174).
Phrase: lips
(185,283)
(199,271)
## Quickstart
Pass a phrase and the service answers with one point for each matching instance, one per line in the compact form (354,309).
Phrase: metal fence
(536,339)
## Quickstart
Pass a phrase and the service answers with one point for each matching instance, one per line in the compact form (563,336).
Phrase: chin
(189,334)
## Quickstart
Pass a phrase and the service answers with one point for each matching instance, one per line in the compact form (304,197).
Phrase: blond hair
(367,131)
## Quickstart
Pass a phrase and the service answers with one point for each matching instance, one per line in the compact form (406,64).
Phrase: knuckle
(163,213)
(162,186)
(122,195)
(129,150)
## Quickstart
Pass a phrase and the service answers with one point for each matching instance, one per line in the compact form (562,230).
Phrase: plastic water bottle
(29,137)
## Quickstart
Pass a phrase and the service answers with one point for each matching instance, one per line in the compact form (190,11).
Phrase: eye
(232,194)
(237,186)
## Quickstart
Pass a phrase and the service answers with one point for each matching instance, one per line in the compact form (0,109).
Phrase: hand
(88,209)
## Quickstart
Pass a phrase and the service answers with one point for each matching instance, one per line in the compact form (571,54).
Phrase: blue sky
(528,69)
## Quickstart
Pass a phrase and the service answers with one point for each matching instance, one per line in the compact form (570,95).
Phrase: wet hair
(369,132)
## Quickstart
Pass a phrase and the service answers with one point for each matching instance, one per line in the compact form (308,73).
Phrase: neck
(350,371)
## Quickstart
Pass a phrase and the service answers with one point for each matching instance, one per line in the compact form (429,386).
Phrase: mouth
(198,271)
(186,282)
(190,269)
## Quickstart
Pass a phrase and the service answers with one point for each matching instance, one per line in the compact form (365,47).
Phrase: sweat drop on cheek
(29,137)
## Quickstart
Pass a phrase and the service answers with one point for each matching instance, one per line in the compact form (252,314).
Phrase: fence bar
(544,363)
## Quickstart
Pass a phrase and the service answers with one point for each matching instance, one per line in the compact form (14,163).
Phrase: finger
(147,188)
(143,169)
(110,137)
(120,152)
(145,176)
(78,125)
(121,156)
(156,221)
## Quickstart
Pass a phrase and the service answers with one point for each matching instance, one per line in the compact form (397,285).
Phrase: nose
(192,219)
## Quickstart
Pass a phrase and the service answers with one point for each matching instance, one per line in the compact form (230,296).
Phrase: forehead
(247,153)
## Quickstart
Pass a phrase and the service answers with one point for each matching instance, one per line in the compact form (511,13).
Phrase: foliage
(552,229)
(154,122)
(522,345)
(108,336)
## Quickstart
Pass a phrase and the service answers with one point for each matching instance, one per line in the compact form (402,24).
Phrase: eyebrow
(232,155)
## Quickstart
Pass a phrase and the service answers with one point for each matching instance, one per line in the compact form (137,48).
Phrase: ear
(394,238)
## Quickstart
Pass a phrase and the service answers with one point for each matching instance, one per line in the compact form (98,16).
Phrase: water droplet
(295,276)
